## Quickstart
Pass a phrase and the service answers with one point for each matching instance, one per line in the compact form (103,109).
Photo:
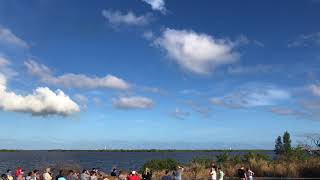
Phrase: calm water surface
(29,160)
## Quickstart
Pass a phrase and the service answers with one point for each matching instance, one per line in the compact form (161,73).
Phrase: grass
(293,165)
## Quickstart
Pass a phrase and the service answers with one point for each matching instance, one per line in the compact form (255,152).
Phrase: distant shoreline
(143,150)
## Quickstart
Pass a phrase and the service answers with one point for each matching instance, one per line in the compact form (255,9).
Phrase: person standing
(9,174)
(249,174)
(121,176)
(242,174)
(113,172)
(147,174)
(220,173)
(166,176)
(47,174)
(93,175)
(213,173)
(133,176)
(19,174)
(29,176)
(60,176)
(85,175)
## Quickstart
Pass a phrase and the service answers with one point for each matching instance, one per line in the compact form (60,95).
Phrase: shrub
(160,164)
(205,162)
(221,158)
(256,156)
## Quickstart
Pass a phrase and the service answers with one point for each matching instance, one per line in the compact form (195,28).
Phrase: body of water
(29,160)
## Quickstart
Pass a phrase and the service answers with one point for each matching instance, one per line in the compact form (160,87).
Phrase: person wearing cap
(47,174)
(133,176)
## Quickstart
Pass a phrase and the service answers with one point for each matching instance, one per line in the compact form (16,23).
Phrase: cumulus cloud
(179,114)
(306,40)
(133,102)
(42,101)
(314,89)
(196,52)
(71,80)
(118,18)
(8,37)
(246,98)
(158,5)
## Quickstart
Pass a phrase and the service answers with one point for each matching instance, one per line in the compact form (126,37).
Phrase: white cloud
(42,101)
(179,114)
(314,89)
(5,67)
(260,68)
(286,111)
(8,37)
(134,102)
(75,80)
(117,18)
(306,40)
(81,99)
(253,97)
(197,53)
(148,35)
(158,5)
(4,61)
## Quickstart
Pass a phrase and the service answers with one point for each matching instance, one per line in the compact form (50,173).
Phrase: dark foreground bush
(160,164)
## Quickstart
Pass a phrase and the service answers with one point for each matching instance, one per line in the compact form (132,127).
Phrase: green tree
(286,143)
(278,146)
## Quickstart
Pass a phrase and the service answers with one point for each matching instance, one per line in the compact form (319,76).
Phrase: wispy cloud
(133,102)
(179,114)
(42,101)
(8,37)
(75,80)
(117,18)
(253,97)
(314,89)
(283,111)
(5,67)
(203,110)
(196,52)
(158,5)
(260,68)
(306,40)
(148,35)
(81,100)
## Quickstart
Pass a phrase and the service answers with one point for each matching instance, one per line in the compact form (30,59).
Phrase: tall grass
(296,164)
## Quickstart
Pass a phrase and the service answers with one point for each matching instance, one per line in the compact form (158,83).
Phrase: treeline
(161,150)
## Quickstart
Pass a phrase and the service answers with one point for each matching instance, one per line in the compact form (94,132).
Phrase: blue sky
(158,73)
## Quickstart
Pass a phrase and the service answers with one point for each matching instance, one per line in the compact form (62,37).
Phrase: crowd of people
(216,173)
